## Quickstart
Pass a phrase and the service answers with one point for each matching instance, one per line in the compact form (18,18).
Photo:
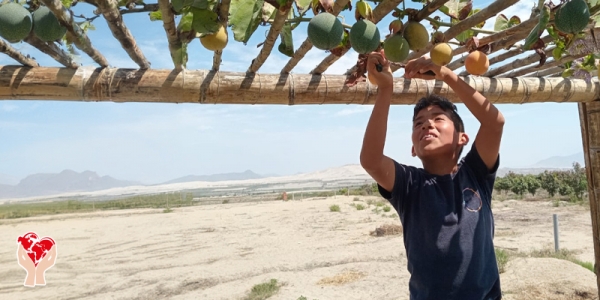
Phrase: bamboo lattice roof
(534,77)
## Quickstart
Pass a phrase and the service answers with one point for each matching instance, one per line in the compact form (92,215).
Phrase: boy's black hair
(446,106)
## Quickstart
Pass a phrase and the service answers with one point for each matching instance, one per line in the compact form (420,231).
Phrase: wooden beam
(549,64)
(281,16)
(546,72)
(517,63)
(307,44)
(110,11)
(13,53)
(501,57)
(74,32)
(51,50)
(497,41)
(224,19)
(589,116)
(175,44)
(205,86)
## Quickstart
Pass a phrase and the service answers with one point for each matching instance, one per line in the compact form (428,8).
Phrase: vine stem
(478,30)
(298,20)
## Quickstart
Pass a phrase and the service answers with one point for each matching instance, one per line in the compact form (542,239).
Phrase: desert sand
(221,251)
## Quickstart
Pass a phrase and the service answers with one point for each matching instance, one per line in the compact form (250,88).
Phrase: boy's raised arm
(491,119)
(372,159)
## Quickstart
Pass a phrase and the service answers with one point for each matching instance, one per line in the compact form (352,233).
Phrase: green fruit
(46,25)
(396,48)
(416,35)
(325,31)
(15,22)
(364,37)
(572,17)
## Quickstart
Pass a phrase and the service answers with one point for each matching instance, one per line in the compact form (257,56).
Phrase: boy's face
(433,134)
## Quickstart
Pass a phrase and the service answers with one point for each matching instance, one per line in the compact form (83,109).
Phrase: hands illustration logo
(35,255)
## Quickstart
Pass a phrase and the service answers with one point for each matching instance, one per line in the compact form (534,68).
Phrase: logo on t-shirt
(471,200)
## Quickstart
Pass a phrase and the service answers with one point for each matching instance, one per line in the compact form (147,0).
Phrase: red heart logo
(36,248)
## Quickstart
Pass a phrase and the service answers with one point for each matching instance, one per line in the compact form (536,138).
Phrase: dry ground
(222,251)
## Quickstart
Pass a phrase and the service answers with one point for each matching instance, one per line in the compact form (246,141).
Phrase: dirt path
(222,251)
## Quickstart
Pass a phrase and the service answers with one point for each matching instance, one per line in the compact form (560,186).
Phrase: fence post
(556,245)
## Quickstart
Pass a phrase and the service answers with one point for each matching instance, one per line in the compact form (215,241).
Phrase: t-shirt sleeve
(484,176)
(403,180)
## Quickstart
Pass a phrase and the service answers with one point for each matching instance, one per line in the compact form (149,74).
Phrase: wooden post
(589,115)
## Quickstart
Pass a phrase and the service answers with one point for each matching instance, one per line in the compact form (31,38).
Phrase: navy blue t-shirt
(448,230)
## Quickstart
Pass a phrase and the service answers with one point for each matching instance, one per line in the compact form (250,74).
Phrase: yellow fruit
(215,41)
(416,35)
(477,63)
(441,54)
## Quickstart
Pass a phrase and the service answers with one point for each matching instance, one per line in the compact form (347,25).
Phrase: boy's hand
(416,68)
(384,78)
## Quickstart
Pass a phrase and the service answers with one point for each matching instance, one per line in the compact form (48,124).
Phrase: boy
(444,207)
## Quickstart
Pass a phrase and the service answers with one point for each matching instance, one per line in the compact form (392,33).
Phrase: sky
(155,142)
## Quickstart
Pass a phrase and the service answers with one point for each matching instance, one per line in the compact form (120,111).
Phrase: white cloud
(354,110)
(9,107)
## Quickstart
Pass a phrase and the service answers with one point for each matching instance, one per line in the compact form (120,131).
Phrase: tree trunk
(589,114)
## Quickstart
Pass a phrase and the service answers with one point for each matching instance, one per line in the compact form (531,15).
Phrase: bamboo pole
(547,72)
(517,63)
(379,12)
(175,44)
(110,11)
(223,18)
(429,9)
(281,16)
(502,39)
(589,116)
(307,44)
(204,86)
(13,53)
(501,57)
(51,50)
(549,64)
(74,32)
(456,29)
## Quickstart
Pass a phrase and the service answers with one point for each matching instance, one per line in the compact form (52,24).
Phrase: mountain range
(65,181)
(47,184)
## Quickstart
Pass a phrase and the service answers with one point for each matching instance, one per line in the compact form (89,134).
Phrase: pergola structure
(547,74)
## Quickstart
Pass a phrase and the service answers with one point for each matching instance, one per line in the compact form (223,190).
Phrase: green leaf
(539,28)
(287,44)
(204,21)
(514,21)
(156,15)
(268,12)
(67,3)
(467,34)
(474,11)
(203,4)
(185,23)
(180,55)
(245,16)
(501,23)
(453,8)
(302,5)
(557,53)
(178,5)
